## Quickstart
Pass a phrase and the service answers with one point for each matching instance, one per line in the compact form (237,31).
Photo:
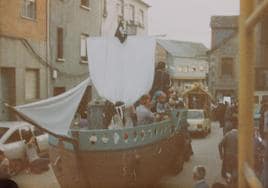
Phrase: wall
(75,20)
(184,80)
(222,27)
(224,44)
(22,46)
(216,81)
(12,23)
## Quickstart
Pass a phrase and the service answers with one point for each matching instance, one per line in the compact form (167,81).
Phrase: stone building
(70,23)
(24,69)
(261,68)
(223,57)
(133,12)
(186,62)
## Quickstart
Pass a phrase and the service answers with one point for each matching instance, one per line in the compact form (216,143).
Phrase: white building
(134,12)
(187,63)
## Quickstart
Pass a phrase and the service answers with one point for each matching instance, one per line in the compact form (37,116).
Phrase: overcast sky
(187,20)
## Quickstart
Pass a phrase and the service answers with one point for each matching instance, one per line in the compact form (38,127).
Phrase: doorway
(7,93)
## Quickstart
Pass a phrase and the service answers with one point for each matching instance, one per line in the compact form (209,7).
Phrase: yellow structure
(248,19)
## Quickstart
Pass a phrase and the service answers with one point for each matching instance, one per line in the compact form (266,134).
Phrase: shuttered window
(29,8)
(141,17)
(60,43)
(31,84)
(227,66)
(85,3)
(83,47)
(132,13)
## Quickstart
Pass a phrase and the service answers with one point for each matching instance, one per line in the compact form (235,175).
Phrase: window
(185,69)
(141,17)
(261,78)
(58,90)
(26,133)
(37,132)
(131,12)
(179,69)
(105,12)
(85,3)
(60,43)
(15,137)
(120,10)
(29,9)
(227,67)
(83,47)
(31,84)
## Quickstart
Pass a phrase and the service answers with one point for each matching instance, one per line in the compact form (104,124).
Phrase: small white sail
(122,71)
(56,113)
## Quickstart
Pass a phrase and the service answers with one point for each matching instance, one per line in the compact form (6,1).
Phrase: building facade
(24,69)
(261,68)
(186,63)
(223,57)
(133,12)
(70,23)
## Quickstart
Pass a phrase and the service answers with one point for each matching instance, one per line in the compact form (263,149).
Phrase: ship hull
(135,167)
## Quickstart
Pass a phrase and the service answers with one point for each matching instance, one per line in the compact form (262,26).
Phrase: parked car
(12,142)
(198,121)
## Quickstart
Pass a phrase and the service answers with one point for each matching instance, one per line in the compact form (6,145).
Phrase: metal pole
(246,89)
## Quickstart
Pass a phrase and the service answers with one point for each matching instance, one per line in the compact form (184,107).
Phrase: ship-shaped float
(98,157)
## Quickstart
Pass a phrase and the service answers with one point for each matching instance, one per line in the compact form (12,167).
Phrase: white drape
(56,113)
(122,72)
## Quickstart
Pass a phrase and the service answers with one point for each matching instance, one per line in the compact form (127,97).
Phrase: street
(205,153)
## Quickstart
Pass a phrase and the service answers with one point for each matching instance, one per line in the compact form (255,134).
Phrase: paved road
(205,153)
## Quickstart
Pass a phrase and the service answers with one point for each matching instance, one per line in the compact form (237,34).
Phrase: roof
(183,48)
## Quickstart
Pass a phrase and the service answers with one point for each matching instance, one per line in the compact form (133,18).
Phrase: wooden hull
(134,167)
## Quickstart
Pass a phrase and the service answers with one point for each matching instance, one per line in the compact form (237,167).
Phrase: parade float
(197,97)
(98,157)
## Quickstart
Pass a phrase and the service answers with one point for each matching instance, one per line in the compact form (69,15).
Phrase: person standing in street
(228,149)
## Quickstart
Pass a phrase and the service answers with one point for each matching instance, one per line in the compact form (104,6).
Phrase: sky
(187,20)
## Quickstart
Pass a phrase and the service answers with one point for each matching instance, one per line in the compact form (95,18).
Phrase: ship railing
(125,138)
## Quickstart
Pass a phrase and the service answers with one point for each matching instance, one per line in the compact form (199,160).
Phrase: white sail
(121,71)
(56,113)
